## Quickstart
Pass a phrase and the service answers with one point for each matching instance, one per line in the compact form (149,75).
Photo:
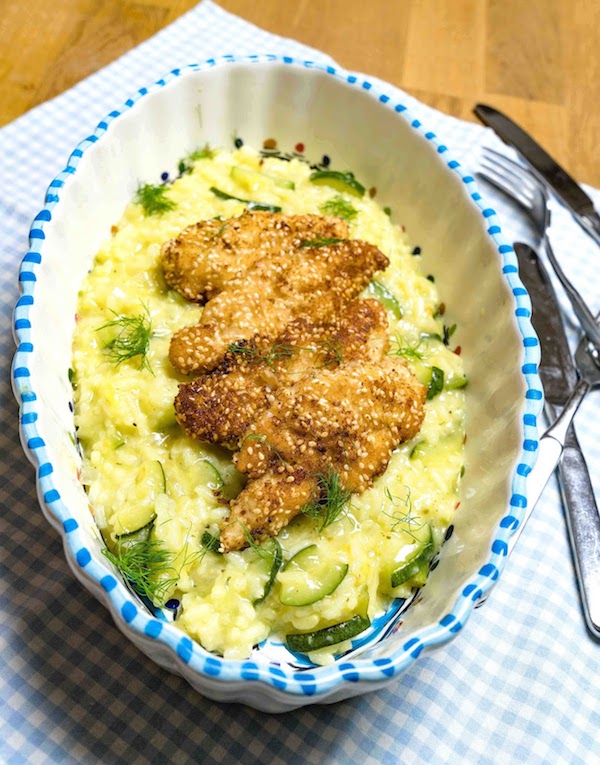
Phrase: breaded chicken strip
(200,261)
(346,420)
(220,406)
(315,282)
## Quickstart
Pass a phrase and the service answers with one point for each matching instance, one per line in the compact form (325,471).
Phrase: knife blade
(559,377)
(545,168)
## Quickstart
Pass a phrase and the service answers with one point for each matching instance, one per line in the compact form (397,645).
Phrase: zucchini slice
(455,382)
(139,535)
(209,475)
(309,577)
(223,480)
(253,180)
(385,297)
(311,641)
(249,203)
(276,553)
(412,559)
(139,513)
(338,181)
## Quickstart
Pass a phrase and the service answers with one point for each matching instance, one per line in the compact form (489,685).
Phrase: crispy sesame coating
(220,406)
(275,290)
(348,419)
(200,261)
(292,366)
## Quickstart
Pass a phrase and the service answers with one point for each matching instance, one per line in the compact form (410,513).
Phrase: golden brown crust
(200,261)
(276,289)
(266,506)
(348,420)
(220,406)
(293,367)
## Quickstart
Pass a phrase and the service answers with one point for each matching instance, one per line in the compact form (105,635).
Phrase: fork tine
(513,180)
(523,174)
(501,182)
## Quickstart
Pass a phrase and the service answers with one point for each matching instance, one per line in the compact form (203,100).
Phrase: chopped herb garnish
(388,211)
(210,542)
(262,552)
(334,351)
(405,350)
(330,501)
(262,439)
(206,152)
(268,356)
(144,563)
(71,374)
(153,199)
(132,338)
(431,278)
(416,251)
(448,332)
(436,384)
(402,514)
(322,241)
(339,207)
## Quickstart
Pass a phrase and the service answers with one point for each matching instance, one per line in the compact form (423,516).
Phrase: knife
(559,378)
(545,168)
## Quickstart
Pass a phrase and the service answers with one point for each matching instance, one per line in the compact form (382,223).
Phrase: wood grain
(539,60)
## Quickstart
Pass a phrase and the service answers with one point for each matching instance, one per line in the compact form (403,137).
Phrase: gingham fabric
(521,683)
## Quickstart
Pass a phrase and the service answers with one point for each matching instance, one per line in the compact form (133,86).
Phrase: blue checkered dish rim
(320,680)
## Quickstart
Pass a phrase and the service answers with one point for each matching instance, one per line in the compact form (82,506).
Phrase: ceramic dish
(316,112)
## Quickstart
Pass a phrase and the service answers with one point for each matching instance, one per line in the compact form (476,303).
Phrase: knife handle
(583,522)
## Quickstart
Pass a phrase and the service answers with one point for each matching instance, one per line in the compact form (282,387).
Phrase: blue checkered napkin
(519,684)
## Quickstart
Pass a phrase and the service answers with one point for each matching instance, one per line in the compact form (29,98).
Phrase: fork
(518,183)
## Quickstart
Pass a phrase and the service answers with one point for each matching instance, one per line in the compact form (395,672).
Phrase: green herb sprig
(153,200)
(402,514)
(406,350)
(448,332)
(143,563)
(131,339)
(321,241)
(333,350)
(268,356)
(206,152)
(262,552)
(262,439)
(330,501)
(339,207)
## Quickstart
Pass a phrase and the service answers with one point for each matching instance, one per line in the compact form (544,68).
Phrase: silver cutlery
(515,181)
(545,168)
(559,377)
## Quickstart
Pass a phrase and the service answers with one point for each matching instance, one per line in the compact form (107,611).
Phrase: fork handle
(583,523)
(583,313)
(550,450)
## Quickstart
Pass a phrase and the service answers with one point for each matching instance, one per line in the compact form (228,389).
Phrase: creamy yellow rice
(126,425)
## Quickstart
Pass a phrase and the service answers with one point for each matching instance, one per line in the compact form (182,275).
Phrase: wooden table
(539,60)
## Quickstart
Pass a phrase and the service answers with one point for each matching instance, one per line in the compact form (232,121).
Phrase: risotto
(158,496)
